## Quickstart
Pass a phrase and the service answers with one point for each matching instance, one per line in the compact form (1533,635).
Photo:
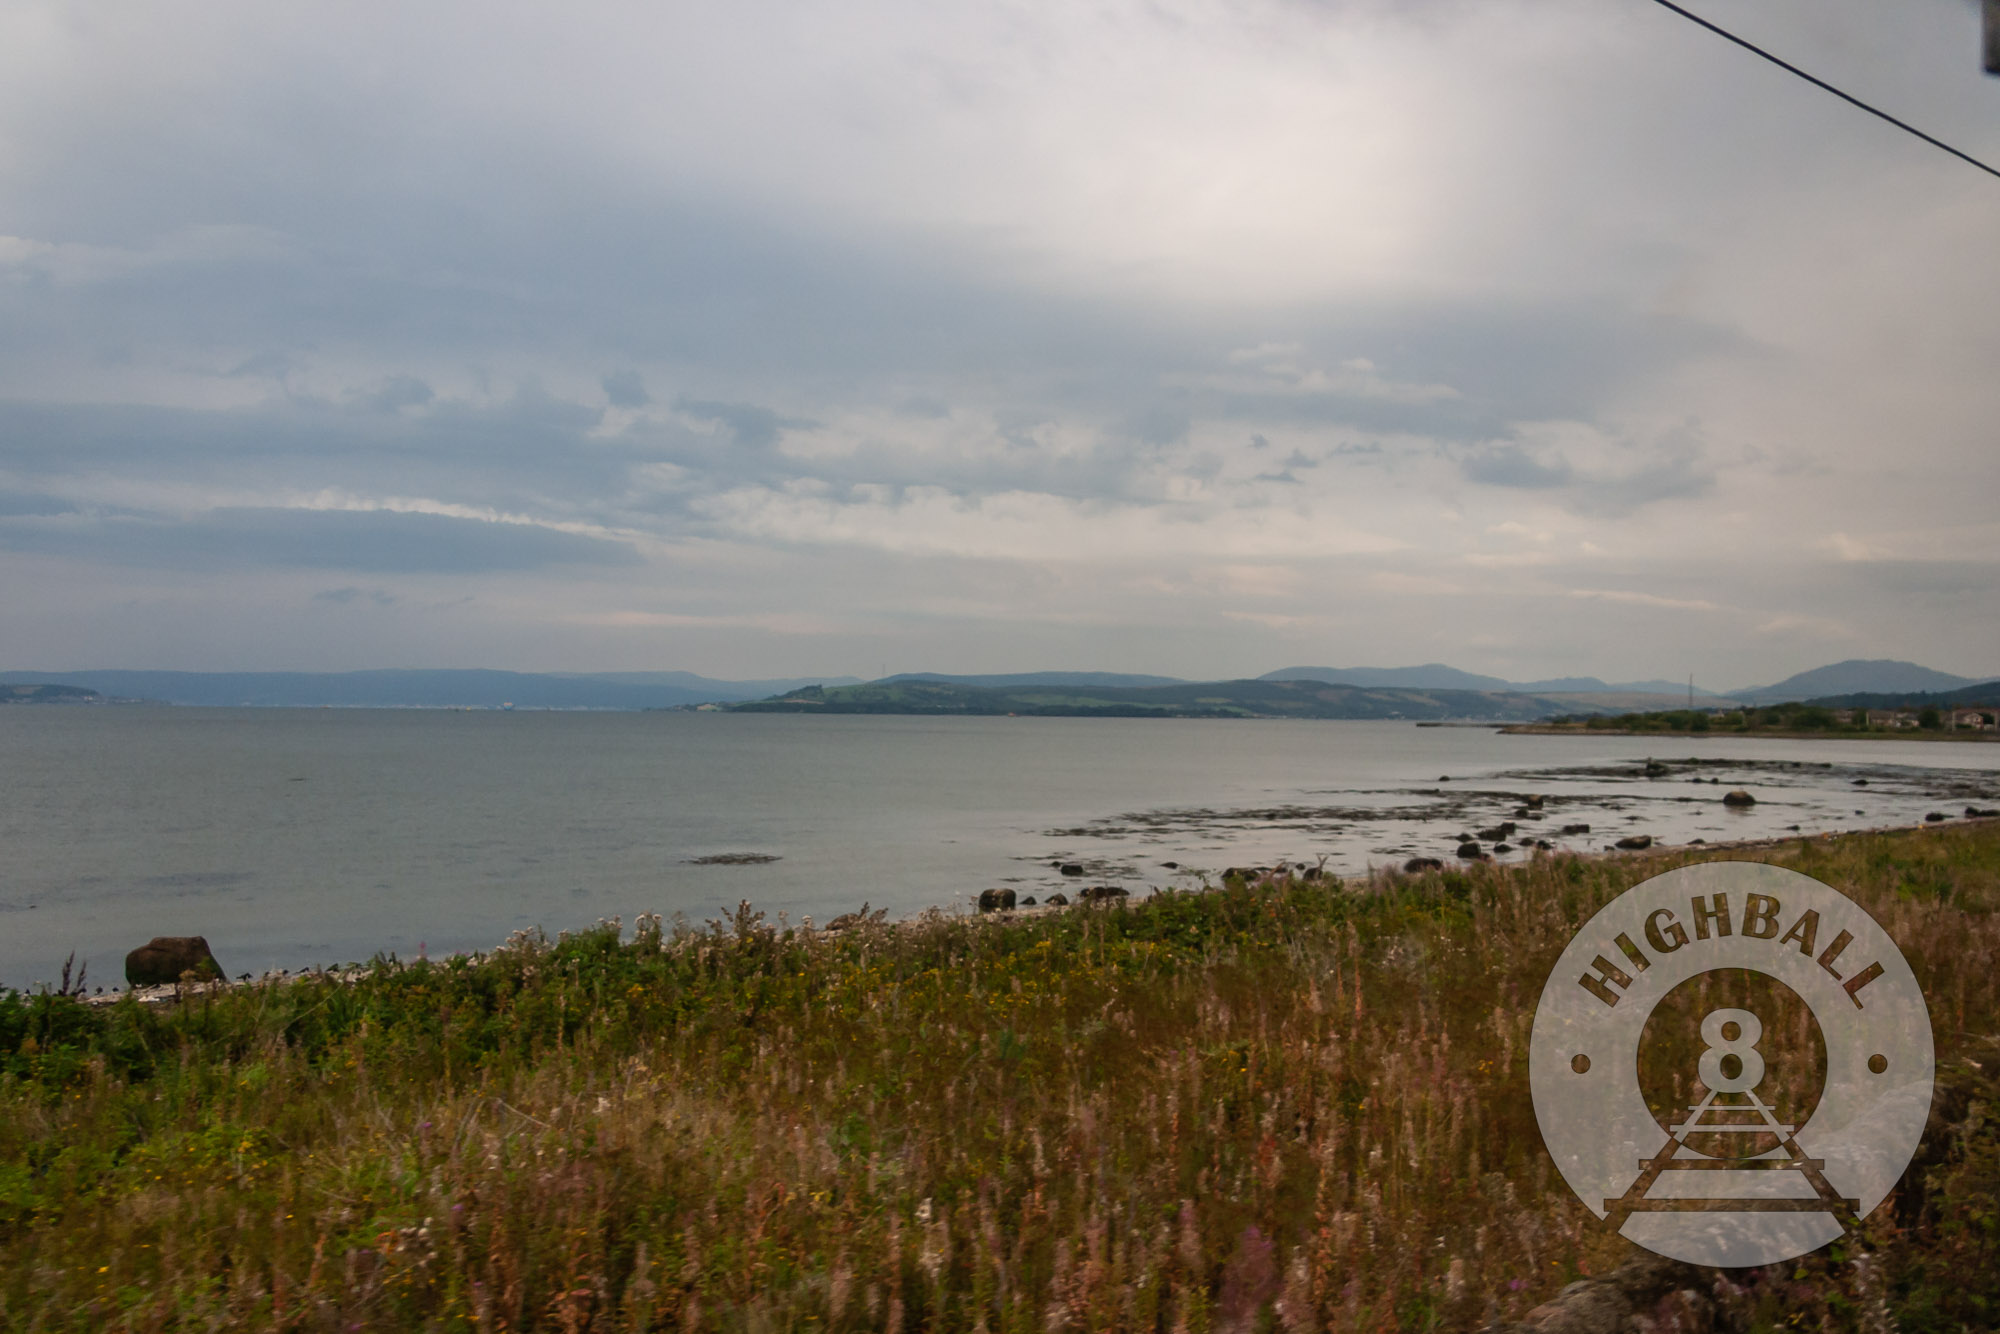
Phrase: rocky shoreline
(1004,905)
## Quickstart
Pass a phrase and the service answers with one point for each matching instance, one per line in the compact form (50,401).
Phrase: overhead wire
(1790,68)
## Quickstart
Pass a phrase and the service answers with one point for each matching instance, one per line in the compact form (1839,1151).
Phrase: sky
(1540,337)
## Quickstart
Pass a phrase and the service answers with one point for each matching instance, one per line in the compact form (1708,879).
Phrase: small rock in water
(1738,797)
(1503,847)
(1416,864)
(1935,816)
(1028,902)
(1059,900)
(1102,892)
(1576,829)
(1634,842)
(1171,866)
(1471,851)
(995,900)
(1072,868)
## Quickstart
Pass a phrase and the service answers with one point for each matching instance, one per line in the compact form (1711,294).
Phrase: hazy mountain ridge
(433,688)
(1441,676)
(1208,699)
(1857,676)
(1878,683)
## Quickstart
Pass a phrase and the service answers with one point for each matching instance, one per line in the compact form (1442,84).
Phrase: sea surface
(294,838)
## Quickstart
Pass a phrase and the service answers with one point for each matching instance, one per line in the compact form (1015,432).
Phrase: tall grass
(1283,1105)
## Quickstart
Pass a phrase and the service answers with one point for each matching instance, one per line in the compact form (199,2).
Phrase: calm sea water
(299,837)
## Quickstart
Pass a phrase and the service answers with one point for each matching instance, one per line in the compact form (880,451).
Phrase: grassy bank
(1280,1106)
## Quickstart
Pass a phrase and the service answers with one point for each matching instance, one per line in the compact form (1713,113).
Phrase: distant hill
(1010,680)
(1438,676)
(1885,676)
(1209,699)
(417,688)
(46,693)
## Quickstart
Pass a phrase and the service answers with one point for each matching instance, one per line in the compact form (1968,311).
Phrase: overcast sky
(764,339)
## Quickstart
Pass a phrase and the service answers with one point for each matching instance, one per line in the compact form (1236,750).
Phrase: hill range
(1430,691)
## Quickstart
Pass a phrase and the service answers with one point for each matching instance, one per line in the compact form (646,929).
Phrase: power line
(1822,83)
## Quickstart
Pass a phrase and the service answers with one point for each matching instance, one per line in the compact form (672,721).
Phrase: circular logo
(1731,1064)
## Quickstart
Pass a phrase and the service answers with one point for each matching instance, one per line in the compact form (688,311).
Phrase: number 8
(1726,1047)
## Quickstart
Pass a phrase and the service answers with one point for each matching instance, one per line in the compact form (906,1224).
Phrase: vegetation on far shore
(1283,1105)
(1788,720)
(1203,699)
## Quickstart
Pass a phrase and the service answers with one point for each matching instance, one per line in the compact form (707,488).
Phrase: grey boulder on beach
(165,959)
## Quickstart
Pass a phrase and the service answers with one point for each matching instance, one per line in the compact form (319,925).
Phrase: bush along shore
(1280,1105)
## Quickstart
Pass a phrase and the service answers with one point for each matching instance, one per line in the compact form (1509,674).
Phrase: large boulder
(1738,797)
(995,900)
(164,960)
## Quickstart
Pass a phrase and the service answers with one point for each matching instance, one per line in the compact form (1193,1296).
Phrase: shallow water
(299,837)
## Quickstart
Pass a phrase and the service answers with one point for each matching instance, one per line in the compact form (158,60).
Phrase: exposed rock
(1647,1292)
(1503,847)
(1171,866)
(1655,769)
(1072,868)
(1311,873)
(1576,829)
(1102,892)
(1861,782)
(1736,796)
(995,900)
(848,920)
(1935,816)
(1416,864)
(734,859)
(1471,851)
(1633,842)
(1028,902)
(166,959)
(1058,900)
(1533,803)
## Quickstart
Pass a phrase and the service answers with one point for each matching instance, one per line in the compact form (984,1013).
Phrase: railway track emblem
(1731,1064)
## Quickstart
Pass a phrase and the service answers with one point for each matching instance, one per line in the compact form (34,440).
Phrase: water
(299,837)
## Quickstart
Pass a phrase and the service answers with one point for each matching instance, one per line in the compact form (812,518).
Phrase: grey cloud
(1158,424)
(1510,465)
(16,504)
(751,426)
(380,597)
(626,389)
(397,392)
(1674,479)
(380,541)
